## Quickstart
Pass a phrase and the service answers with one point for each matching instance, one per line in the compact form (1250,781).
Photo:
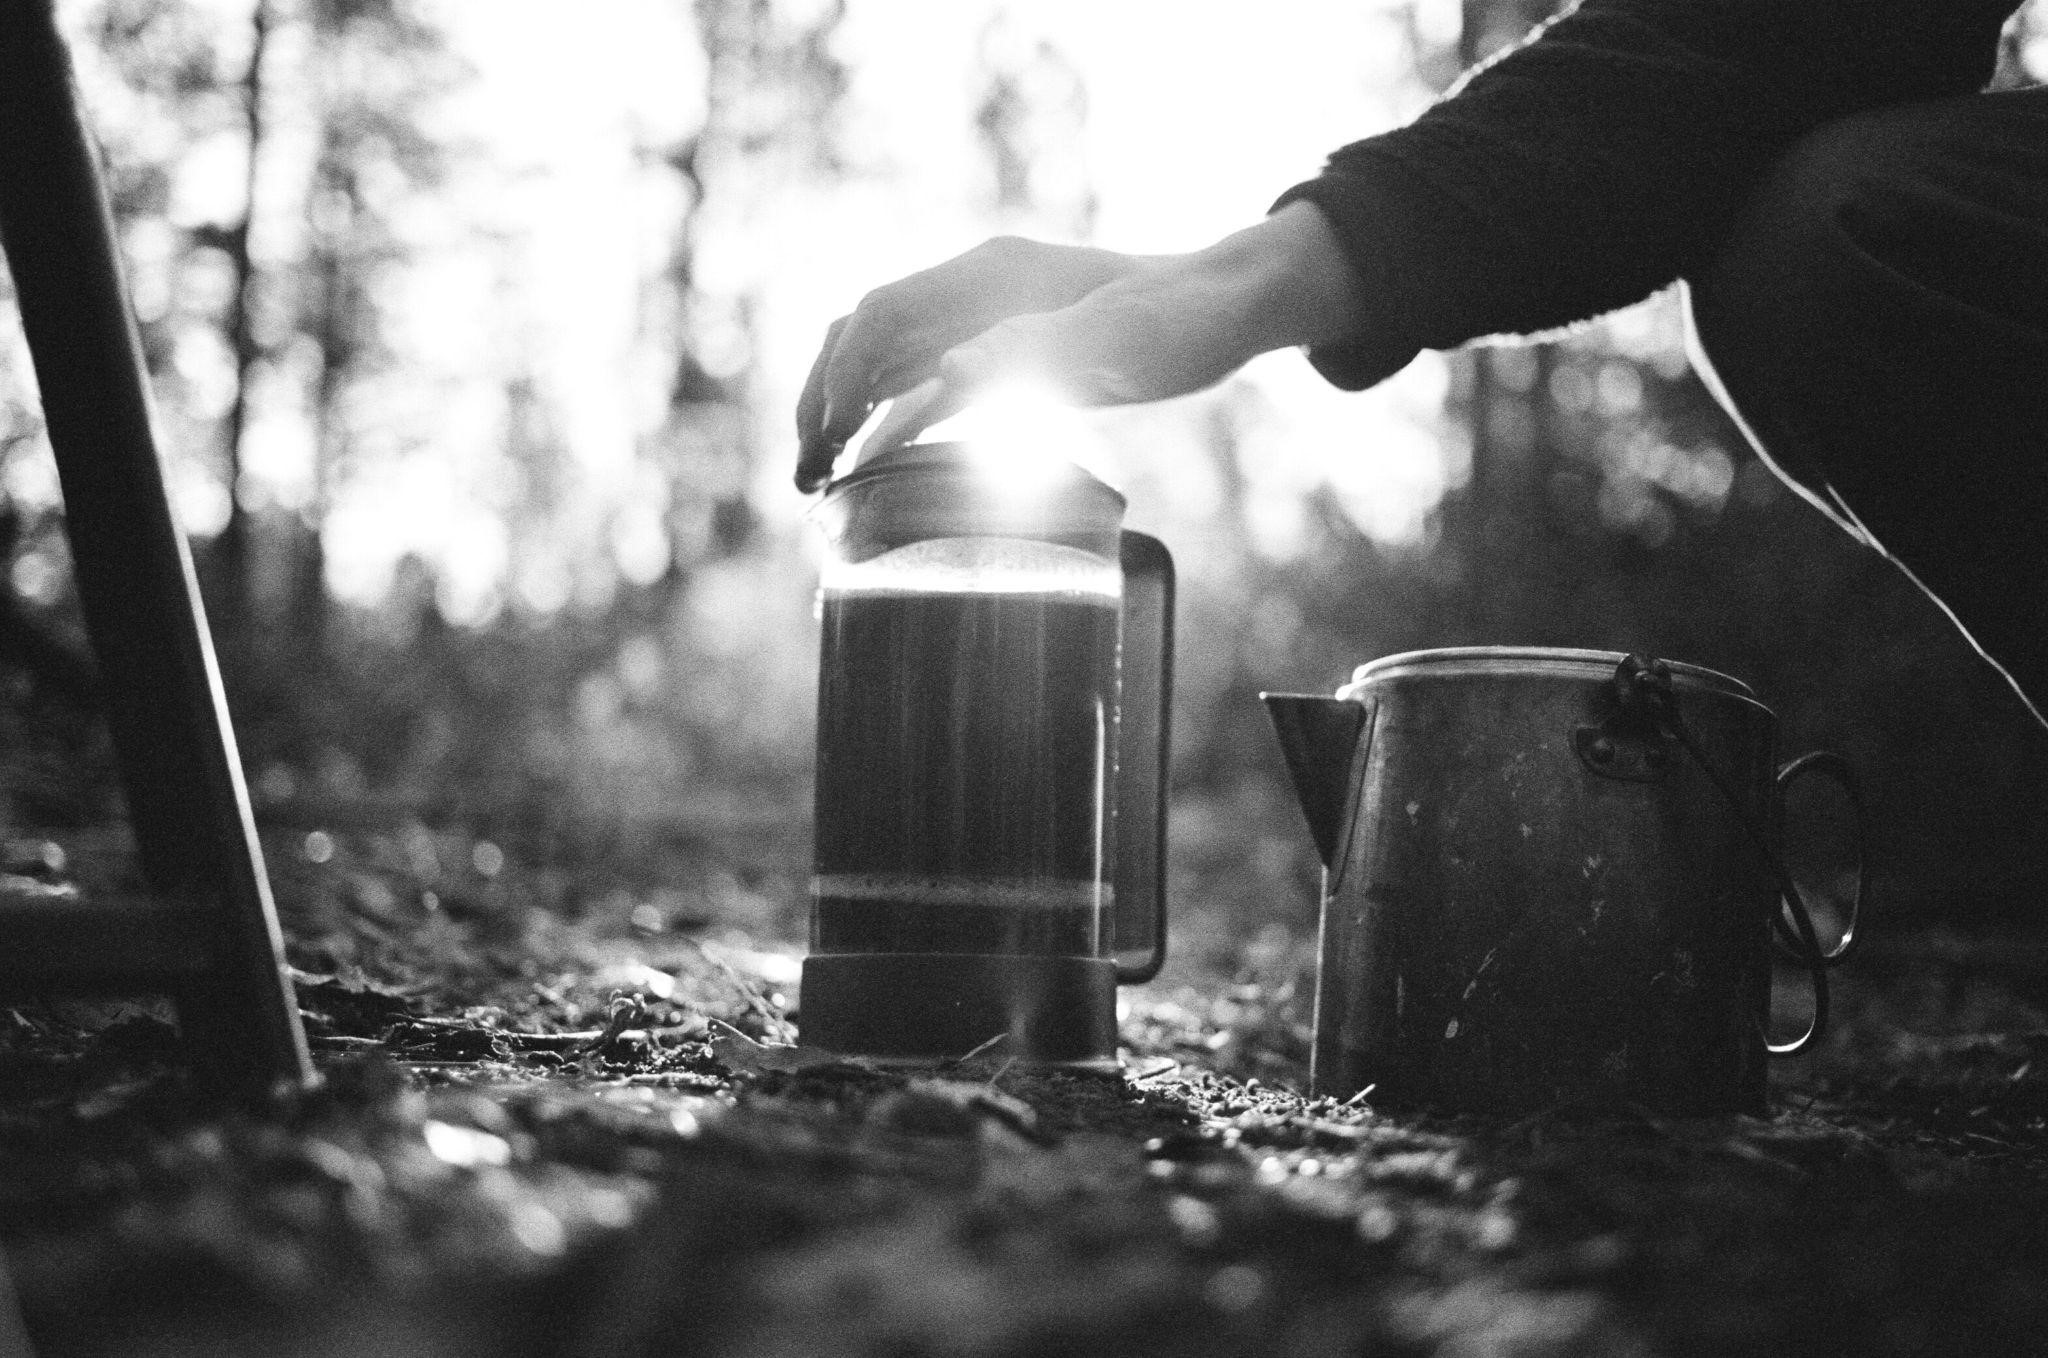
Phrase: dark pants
(1878,321)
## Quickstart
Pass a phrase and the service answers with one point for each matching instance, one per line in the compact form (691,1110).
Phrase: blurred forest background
(475,332)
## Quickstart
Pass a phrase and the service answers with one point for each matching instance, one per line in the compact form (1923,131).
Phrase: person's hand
(1092,326)
(897,336)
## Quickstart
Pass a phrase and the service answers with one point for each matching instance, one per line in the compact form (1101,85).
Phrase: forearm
(1291,278)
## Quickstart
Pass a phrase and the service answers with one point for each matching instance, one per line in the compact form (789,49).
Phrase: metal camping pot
(1551,877)
(992,735)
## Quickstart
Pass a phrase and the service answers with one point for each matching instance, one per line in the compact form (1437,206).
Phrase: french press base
(920,1007)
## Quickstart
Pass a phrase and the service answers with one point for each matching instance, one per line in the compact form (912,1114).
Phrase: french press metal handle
(1137,936)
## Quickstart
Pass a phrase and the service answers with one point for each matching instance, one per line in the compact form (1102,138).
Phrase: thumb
(1006,352)
(1039,349)
(911,414)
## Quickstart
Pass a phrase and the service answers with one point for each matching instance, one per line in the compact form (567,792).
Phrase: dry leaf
(737,1052)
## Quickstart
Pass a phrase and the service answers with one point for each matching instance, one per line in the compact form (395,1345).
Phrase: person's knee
(1781,289)
(1878,276)
(1886,221)
(1797,258)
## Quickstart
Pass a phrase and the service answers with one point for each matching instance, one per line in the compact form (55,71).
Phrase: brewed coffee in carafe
(966,714)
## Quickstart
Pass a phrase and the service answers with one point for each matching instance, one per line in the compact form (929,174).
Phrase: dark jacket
(1604,157)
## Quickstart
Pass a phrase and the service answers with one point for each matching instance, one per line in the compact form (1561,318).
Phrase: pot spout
(1318,736)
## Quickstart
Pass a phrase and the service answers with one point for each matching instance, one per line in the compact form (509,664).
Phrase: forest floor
(556,1129)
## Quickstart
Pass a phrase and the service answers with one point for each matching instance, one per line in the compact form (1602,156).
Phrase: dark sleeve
(1605,157)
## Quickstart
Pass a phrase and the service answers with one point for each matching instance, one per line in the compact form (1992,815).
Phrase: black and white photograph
(1024,678)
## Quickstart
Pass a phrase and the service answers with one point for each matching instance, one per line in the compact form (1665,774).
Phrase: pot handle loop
(1828,764)
(1644,685)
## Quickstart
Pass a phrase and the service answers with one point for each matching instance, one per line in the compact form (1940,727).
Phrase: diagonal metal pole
(162,688)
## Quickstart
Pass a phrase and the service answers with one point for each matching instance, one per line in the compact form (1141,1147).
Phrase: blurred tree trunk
(1505,424)
(1030,119)
(364,135)
(772,93)
(321,323)
(231,548)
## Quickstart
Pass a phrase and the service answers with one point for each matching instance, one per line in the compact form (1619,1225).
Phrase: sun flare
(1020,435)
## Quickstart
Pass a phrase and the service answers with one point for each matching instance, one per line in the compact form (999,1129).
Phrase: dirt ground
(545,1133)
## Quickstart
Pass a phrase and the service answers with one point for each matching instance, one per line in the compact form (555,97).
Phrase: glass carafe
(993,678)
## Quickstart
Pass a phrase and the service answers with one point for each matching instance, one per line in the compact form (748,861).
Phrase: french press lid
(943,490)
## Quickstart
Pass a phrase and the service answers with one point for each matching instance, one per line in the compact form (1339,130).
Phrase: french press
(994,677)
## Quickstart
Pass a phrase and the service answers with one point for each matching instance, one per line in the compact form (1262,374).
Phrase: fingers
(1058,352)
(914,412)
(893,340)
(1025,349)
(1004,353)
(868,357)
(849,377)
(814,450)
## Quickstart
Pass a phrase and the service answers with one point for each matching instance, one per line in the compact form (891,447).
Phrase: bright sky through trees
(1196,116)
(1146,125)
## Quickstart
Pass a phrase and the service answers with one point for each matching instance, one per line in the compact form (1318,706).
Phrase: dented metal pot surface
(1544,885)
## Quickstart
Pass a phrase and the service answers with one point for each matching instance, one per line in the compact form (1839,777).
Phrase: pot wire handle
(1645,684)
